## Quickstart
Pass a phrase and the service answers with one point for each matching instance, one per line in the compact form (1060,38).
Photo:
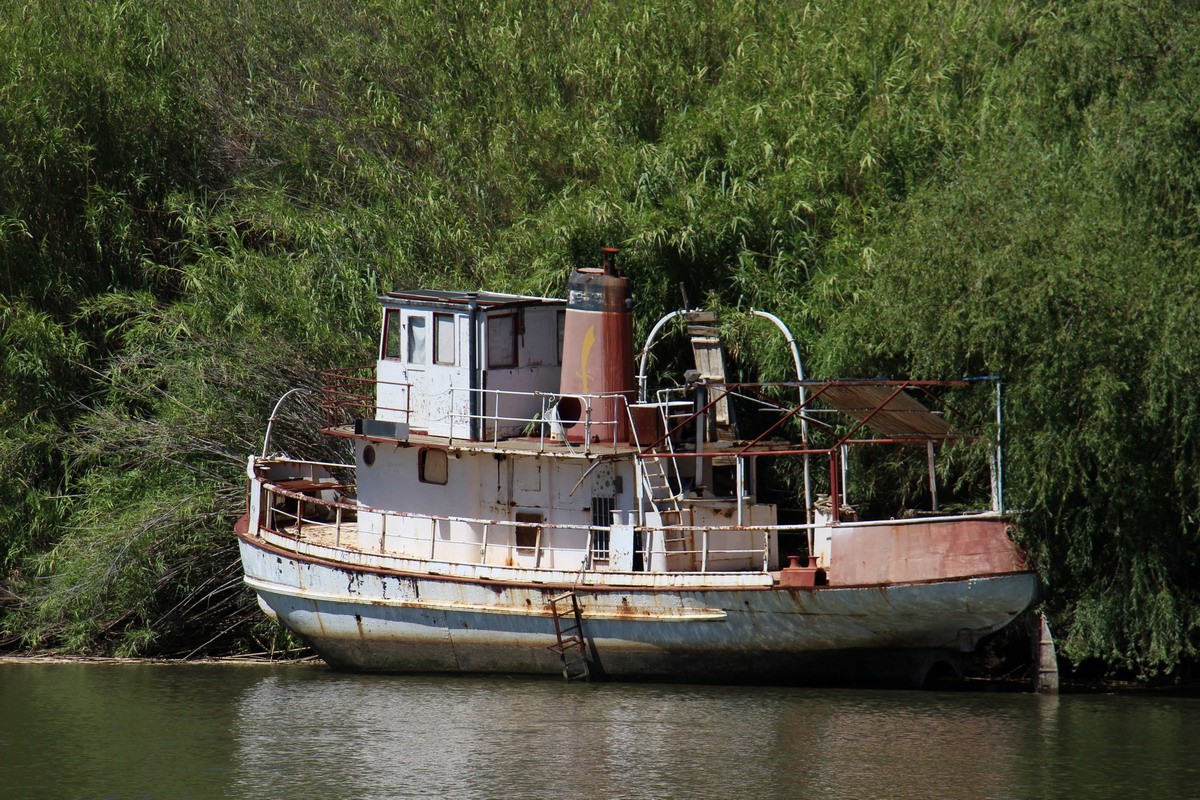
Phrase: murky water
(138,731)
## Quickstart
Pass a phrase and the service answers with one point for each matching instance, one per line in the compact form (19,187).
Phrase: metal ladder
(663,500)
(571,646)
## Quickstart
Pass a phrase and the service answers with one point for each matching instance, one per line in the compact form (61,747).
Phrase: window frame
(492,361)
(408,339)
(423,466)
(441,316)
(602,508)
(391,332)
(529,523)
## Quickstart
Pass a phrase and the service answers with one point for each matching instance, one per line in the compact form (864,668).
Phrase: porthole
(369,455)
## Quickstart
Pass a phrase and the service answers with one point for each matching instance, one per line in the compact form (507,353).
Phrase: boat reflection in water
(424,736)
(306,733)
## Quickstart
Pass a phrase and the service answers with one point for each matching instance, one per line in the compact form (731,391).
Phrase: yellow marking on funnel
(589,339)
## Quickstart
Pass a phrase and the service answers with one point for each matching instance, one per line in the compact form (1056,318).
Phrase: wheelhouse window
(433,466)
(502,341)
(443,339)
(392,340)
(416,340)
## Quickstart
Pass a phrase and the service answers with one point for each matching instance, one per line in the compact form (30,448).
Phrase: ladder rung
(570,636)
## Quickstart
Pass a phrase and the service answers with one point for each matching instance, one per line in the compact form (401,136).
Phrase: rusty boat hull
(382,620)
(520,500)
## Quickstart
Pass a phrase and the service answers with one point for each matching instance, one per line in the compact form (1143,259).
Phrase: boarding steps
(568,630)
(656,484)
(658,487)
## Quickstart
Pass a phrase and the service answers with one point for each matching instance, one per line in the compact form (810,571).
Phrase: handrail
(544,419)
(539,548)
(338,392)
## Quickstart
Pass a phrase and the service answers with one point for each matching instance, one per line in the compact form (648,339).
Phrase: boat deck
(556,448)
(327,535)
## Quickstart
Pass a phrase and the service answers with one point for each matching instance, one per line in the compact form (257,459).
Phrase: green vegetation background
(200,200)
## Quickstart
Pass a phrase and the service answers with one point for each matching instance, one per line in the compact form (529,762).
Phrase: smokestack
(608,261)
(598,352)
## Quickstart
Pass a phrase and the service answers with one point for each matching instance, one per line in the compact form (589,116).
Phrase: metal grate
(601,520)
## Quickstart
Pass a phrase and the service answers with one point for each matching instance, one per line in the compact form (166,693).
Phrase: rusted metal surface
(921,552)
(414,623)
(597,355)
(795,575)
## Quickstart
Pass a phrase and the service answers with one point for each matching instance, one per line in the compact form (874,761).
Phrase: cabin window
(443,339)
(562,327)
(601,520)
(528,531)
(392,340)
(416,340)
(502,340)
(432,466)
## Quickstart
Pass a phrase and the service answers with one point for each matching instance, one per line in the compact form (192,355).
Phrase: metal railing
(352,393)
(550,423)
(313,518)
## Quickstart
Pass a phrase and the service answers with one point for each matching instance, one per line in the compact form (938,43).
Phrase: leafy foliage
(199,202)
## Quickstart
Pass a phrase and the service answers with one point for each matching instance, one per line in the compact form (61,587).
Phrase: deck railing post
(587,425)
(337,527)
(495,419)
(484,544)
(704,550)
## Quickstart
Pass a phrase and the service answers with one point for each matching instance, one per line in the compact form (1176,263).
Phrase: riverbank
(252,659)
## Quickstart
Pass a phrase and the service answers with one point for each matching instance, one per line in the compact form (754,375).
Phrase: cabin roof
(444,298)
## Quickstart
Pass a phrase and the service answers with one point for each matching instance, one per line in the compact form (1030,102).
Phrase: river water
(299,732)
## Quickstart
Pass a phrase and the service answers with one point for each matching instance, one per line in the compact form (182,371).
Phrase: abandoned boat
(520,502)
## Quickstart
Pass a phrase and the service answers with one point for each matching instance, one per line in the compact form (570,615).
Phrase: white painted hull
(396,621)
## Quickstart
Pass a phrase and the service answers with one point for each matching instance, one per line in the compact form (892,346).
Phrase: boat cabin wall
(522,355)
(424,370)
(526,491)
(922,551)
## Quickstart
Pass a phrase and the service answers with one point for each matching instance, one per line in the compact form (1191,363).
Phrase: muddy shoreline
(256,659)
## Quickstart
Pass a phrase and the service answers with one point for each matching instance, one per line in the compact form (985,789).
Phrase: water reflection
(217,732)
